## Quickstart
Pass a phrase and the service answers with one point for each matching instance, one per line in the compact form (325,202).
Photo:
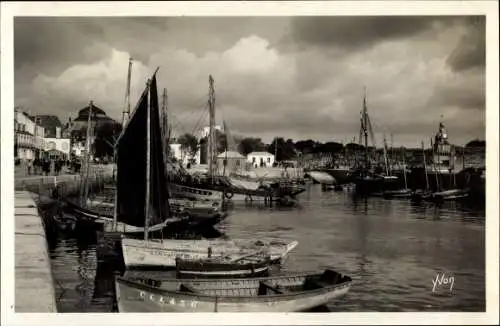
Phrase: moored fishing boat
(398,193)
(216,183)
(289,293)
(140,143)
(101,221)
(138,254)
(451,194)
(253,264)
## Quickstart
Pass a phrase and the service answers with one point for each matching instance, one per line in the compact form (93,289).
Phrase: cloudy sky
(294,77)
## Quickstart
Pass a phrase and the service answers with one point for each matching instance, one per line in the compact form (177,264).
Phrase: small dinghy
(65,222)
(452,194)
(288,293)
(421,195)
(249,265)
(399,193)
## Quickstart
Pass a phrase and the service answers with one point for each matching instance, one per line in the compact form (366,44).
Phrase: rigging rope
(202,118)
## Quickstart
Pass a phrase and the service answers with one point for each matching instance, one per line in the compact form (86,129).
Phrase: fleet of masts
(157,215)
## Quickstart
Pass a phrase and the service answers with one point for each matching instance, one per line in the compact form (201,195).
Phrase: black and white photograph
(319,158)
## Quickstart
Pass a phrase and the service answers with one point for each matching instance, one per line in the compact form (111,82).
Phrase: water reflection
(392,249)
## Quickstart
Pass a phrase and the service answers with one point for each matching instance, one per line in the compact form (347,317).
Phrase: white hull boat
(155,254)
(288,293)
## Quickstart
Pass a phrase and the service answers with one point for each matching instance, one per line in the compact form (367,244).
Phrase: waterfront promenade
(34,286)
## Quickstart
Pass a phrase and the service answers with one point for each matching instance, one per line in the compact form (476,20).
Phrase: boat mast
(211,139)
(434,166)
(85,188)
(385,156)
(364,124)
(126,109)
(404,167)
(165,124)
(276,150)
(125,117)
(148,163)
(425,168)
(391,154)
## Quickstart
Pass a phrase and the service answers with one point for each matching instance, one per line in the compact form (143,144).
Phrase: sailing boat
(99,213)
(224,187)
(142,197)
(367,182)
(425,194)
(397,193)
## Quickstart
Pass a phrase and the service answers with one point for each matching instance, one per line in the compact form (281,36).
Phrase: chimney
(58,132)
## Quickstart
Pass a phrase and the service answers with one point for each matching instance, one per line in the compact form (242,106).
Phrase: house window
(268,160)
(253,159)
(224,162)
(238,163)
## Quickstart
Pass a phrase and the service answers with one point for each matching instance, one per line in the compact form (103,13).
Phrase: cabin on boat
(230,162)
(260,159)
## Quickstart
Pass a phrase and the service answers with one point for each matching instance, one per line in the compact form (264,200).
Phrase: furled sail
(132,149)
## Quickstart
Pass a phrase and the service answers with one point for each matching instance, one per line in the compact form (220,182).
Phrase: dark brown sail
(132,165)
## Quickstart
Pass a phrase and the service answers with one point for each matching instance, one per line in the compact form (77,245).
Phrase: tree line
(284,149)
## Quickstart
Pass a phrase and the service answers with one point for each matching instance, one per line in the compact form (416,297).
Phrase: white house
(229,162)
(28,136)
(56,146)
(183,156)
(260,159)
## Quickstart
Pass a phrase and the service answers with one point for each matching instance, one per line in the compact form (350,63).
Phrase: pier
(34,286)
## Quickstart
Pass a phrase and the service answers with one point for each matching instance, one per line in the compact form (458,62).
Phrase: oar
(245,256)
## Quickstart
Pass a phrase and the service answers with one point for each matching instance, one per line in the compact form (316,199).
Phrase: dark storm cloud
(48,44)
(471,51)
(467,99)
(355,33)
(273,75)
(40,39)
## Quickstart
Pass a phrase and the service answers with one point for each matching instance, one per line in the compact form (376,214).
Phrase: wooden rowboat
(398,193)
(250,265)
(289,293)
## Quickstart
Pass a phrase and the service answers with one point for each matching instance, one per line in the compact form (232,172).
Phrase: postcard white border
(9,10)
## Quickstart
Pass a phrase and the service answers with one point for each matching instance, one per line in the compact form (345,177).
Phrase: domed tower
(443,156)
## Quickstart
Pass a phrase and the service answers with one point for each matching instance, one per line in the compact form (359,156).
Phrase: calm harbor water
(392,249)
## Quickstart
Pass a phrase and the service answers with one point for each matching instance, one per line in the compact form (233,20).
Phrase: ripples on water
(392,249)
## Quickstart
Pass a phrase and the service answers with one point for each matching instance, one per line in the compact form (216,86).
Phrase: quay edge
(34,285)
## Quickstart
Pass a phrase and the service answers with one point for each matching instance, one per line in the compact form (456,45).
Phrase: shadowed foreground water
(392,249)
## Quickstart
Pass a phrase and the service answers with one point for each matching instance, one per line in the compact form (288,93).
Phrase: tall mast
(165,129)
(87,157)
(385,156)
(404,167)
(126,115)
(211,139)
(391,154)
(276,149)
(434,165)
(148,164)
(126,109)
(365,126)
(425,168)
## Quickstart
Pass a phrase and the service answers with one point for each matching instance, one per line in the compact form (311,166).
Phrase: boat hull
(139,254)
(241,295)
(208,269)
(190,219)
(180,191)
